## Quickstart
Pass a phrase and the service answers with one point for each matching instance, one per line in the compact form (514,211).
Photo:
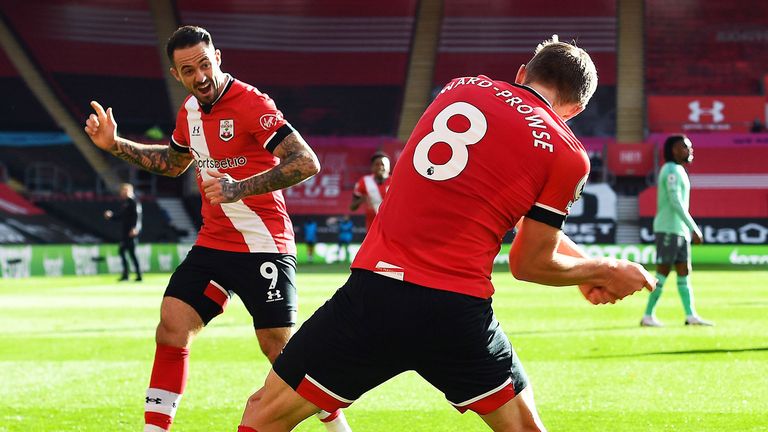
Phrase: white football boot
(650,321)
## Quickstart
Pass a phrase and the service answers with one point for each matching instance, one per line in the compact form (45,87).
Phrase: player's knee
(272,348)
(253,400)
(273,340)
(174,334)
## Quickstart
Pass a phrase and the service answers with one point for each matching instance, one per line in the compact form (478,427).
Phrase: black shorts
(265,282)
(375,327)
(672,249)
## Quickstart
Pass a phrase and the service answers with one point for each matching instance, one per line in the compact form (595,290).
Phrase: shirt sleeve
(567,177)
(359,188)
(268,126)
(179,139)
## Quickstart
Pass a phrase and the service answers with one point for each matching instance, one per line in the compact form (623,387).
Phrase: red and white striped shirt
(236,135)
(373,193)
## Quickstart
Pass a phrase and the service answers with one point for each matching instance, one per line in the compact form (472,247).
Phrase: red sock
(169,378)
(242,428)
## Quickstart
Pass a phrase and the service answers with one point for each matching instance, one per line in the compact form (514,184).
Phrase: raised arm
(537,256)
(101,127)
(297,163)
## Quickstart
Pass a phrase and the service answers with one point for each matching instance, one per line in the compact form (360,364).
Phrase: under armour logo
(697,111)
(195,130)
(274,295)
(156,401)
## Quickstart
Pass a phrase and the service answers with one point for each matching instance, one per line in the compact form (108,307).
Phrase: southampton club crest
(226,129)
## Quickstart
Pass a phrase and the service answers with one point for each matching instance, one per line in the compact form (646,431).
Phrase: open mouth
(205,89)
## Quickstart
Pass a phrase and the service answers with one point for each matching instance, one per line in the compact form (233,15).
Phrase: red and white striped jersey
(236,135)
(483,154)
(373,194)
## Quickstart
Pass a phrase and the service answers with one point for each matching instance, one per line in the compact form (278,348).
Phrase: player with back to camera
(674,229)
(484,154)
(244,152)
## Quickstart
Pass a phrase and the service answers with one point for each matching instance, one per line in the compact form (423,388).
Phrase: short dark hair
(669,144)
(378,155)
(566,68)
(186,36)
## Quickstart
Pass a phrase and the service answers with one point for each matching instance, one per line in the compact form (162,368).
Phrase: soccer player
(310,238)
(244,153)
(130,216)
(484,154)
(674,227)
(371,189)
(346,231)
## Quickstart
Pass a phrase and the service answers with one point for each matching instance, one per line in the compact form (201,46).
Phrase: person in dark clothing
(346,232)
(130,216)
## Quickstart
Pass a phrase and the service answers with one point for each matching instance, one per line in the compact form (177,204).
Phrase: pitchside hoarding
(83,260)
(593,217)
(79,260)
(704,113)
(744,231)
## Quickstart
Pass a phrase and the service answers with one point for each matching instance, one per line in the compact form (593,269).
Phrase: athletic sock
(334,421)
(686,295)
(169,377)
(650,309)
(242,428)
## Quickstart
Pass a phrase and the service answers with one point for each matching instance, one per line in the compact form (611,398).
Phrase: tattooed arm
(101,127)
(297,163)
(158,159)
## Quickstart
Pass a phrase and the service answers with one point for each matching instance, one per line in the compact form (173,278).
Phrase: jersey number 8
(458,141)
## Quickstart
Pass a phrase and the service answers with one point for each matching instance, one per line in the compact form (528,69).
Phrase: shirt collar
(208,107)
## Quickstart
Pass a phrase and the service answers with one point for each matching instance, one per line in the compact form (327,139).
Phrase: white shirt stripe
(374,195)
(246,221)
(552,209)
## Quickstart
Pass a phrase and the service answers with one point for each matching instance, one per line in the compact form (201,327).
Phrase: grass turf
(76,352)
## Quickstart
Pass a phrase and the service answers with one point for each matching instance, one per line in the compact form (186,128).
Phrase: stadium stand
(338,73)
(92,48)
(22,222)
(87,214)
(726,183)
(495,38)
(704,47)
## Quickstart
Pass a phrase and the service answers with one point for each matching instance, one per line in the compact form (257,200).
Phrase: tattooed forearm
(297,163)
(158,159)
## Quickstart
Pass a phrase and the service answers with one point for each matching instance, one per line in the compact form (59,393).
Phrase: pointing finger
(99,109)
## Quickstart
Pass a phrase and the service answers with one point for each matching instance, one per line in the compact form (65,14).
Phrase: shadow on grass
(685,352)
(98,330)
(571,330)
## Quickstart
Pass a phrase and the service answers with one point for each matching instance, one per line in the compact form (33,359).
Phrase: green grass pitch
(76,352)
